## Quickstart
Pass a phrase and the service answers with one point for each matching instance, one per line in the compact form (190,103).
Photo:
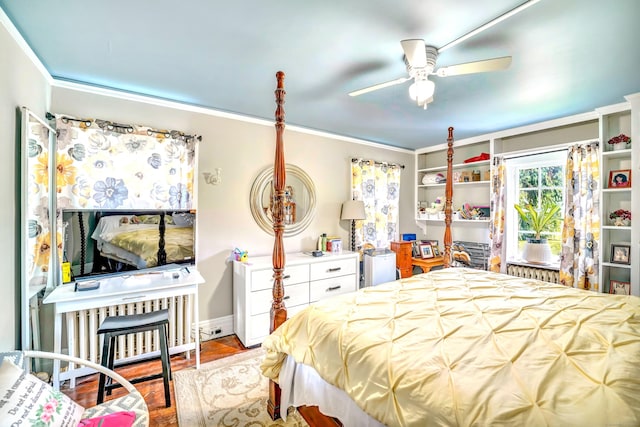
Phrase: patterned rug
(227,392)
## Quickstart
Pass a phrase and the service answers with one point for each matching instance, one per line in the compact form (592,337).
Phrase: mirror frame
(261,183)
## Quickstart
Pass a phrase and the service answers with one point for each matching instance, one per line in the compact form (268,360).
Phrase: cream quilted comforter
(461,347)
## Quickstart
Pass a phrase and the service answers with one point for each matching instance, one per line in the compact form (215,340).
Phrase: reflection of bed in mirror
(99,242)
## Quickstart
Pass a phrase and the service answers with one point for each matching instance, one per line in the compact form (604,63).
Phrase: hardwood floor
(86,389)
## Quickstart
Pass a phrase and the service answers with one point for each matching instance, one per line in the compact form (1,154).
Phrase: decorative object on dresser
(620,178)
(306,279)
(404,251)
(353,210)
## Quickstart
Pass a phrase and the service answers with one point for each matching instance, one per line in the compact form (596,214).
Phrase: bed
(137,240)
(456,347)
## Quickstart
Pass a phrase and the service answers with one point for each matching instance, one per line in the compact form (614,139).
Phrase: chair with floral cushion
(26,400)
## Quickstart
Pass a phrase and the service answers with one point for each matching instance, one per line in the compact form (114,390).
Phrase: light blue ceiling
(569,57)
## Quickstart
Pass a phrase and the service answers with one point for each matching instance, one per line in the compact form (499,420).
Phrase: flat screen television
(98,242)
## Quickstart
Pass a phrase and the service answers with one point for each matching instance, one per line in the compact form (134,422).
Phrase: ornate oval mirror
(300,200)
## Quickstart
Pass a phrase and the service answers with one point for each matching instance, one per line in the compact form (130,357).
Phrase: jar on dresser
(306,278)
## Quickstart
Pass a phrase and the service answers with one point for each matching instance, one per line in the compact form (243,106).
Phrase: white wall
(21,84)
(242,149)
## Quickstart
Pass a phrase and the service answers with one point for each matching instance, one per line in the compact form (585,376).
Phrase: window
(537,179)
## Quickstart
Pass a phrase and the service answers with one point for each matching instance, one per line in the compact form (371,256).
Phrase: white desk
(126,290)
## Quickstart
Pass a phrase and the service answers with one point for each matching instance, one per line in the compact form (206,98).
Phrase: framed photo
(434,247)
(620,178)
(620,254)
(619,288)
(426,251)
(435,250)
(415,249)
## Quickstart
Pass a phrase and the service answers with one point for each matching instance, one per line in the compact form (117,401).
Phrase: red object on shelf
(483,156)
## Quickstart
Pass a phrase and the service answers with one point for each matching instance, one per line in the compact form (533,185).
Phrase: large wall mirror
(37,238)
(299,205)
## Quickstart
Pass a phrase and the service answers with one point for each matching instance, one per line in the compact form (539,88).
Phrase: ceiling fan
(420,60)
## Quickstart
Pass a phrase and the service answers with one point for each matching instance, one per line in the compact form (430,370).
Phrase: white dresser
(307,279)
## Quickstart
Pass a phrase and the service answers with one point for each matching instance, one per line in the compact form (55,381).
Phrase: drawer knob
(333,288)
(333,270)
(288,276)
(286,297)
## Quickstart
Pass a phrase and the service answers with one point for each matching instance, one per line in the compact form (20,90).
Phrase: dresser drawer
(259,325)
(326,288)
(293,295)
(333,268)
(263,279)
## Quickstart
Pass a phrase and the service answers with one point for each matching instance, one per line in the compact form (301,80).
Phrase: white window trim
(534,159)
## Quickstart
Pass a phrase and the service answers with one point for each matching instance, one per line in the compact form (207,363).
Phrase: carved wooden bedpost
(278,310)
(447,205)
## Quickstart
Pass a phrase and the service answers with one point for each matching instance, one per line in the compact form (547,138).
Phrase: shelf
(616,190)
(455,184)
(616,227)
(613,264)
(457,221)
(459,166)
(618,154)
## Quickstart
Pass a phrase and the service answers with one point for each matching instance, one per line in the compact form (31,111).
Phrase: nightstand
(403,250)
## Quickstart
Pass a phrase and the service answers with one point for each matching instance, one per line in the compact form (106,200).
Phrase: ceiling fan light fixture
(421,91)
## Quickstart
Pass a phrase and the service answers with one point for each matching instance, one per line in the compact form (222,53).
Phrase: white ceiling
(569,57)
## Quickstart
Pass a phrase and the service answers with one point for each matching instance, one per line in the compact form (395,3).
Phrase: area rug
(227,392)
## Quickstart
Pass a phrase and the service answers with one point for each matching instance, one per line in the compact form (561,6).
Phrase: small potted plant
(619,142)
(620,217)
(536,249)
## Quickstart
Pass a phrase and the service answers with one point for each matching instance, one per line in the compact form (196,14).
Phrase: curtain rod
(549,149)
(393,165)
(125,128)
(537,153)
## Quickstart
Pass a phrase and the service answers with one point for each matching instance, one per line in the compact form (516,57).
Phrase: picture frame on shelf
(436,250)
(619,288)
(620,254)
(620,178)
(426,251)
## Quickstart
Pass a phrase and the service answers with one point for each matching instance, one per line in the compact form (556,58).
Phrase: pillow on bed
(43,405)
(107,224)
(151,219)
(183,219)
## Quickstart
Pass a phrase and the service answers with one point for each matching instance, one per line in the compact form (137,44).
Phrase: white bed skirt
(301,385)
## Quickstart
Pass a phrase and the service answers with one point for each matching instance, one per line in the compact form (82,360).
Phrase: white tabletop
(127,283)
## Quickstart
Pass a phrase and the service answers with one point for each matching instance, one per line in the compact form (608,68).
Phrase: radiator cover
(530,272)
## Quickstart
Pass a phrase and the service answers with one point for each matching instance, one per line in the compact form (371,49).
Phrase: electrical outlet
(216,330)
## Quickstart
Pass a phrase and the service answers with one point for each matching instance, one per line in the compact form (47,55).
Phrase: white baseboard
(216,328)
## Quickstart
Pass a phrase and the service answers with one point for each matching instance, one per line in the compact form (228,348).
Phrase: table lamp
(353,210)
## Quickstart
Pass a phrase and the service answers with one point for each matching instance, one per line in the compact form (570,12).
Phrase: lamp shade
(353,209)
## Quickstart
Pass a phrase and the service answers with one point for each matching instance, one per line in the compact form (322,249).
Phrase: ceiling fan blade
(415,52)
(379,86)
(494,64)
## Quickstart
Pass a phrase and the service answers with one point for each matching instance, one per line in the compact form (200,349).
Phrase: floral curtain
(105,165)
(378,186)
(496,226)
(38,202)
(580,258)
